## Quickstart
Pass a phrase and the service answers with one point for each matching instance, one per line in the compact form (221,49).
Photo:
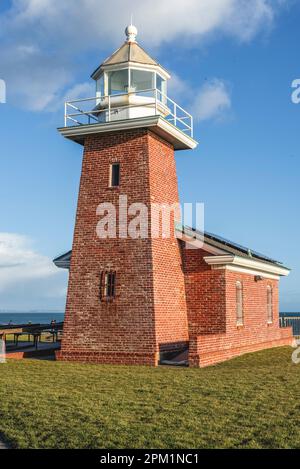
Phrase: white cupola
(131,92)
(129,78)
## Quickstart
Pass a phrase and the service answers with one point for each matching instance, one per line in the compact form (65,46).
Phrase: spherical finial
(131,33)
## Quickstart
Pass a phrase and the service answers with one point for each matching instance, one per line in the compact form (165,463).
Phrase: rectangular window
(118,82)
(270,304)
(108,286)
(141,80)
(114,175)
(161,84)
(239,304)
(100,87)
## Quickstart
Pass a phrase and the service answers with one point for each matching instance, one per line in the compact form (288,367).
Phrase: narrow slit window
(239,304)
(108,286)
(270,304)
(114,175)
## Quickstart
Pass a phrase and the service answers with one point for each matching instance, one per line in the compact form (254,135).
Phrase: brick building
(142,298)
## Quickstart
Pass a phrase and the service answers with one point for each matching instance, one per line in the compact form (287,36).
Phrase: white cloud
(212,101)
(27,278)
(43,39)
(19,262)
(180,87)
(34,79)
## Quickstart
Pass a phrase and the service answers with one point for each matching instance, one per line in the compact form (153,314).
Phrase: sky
(232,64)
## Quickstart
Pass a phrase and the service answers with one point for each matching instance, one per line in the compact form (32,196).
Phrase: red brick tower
(126,297)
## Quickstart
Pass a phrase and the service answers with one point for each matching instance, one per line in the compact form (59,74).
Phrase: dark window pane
(115,175)
(113,281)
(108,285)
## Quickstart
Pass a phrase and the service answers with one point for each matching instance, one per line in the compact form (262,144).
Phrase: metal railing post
(179,117)
(66,118)
(109,108)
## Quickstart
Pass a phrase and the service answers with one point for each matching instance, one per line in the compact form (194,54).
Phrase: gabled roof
(229,247)
(128,52)
(63,261)
(222,244)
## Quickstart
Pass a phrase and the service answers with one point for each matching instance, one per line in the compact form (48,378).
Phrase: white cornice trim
(195,242)
(213,250)
(255,267)
(157,124)
(244,270)
(131,65)
(65,264)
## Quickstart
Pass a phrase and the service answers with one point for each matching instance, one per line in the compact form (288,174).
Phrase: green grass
(249,402)
(45,337)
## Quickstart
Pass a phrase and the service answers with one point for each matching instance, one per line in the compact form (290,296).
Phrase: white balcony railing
(129,105)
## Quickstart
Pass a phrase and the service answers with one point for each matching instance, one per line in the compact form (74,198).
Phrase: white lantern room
(131,91)
(130,84)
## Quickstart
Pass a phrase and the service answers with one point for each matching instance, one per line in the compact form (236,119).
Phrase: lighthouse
(136,297)
(126,299)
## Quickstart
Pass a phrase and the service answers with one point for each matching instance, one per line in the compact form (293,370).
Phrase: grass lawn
(249,402)
(45,337)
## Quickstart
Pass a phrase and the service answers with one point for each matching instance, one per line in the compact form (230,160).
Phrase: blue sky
(232,61)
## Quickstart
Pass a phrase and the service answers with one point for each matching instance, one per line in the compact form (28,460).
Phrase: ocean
(34,318)
(46,318)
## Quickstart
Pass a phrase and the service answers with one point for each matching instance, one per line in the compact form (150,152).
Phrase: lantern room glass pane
(141,80)
(100,87)
(118,82)
(161,84)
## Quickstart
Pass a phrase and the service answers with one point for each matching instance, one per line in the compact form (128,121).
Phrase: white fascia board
(159,125)
(191,243)
(213,250)
(252,265)
(244,270)
(136,65)
(195,239)
(178,134)
(63,264)
(195,242)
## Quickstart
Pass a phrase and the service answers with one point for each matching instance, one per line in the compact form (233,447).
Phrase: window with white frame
(161,84)
(100,87)
(118,82)
(270,304)
(141,80)
(239,304)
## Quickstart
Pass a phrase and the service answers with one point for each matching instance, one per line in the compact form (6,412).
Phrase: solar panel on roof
(232,244)
(239,247)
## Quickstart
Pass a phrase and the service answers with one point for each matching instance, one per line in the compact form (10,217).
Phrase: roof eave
(63,261)
(255,265)
(159,125)
(131,64)
(188,235)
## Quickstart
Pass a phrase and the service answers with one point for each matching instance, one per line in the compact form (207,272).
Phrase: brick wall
(166,296)
(149,312)
(171,324)
(205,294)
(211,302)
